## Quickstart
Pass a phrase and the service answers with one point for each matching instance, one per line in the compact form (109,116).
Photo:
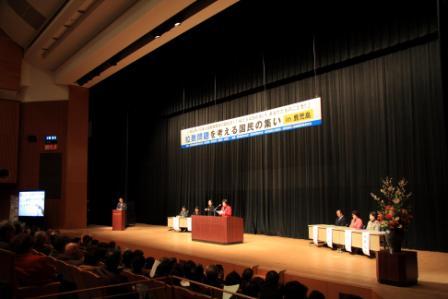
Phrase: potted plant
(394,211)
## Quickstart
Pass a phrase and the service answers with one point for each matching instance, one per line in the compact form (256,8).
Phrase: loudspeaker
(32,138)
(50,174)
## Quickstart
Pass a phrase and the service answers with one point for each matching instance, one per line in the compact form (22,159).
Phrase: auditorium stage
(321,267)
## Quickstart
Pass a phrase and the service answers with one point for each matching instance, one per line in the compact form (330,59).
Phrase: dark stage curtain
(381,117)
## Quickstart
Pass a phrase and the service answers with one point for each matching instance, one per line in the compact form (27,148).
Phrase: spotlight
(157,36)
(177,24)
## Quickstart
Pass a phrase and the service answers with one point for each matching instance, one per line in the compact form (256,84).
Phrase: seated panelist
(356,220)
(183,212)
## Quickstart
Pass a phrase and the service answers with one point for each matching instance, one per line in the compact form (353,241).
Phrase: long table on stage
(223,230)
(338,236)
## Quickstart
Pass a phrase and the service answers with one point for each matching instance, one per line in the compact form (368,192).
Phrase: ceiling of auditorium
(76,39)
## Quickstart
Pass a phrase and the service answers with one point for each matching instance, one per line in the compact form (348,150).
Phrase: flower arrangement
(394,206)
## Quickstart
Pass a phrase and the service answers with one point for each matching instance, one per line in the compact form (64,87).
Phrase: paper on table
(329,237)
(189,226)
(366,243)
(348,240)
(176,223)
(315,234)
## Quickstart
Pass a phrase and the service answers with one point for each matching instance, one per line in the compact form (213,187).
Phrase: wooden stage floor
(297,256)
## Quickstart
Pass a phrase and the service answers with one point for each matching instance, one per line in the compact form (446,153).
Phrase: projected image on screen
(32,203)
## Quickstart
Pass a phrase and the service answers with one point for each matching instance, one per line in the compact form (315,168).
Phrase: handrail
(143,281)
(123,284)
(211,287)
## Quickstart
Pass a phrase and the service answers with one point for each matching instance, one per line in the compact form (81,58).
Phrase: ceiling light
(157,36)
(177,24)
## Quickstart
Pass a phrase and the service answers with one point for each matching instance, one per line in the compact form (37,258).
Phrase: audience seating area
(52,265)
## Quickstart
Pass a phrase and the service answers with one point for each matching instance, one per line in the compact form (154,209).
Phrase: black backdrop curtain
(382,117)
(383,114)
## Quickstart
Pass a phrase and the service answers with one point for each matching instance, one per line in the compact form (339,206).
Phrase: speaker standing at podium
(121,205)
(226,210)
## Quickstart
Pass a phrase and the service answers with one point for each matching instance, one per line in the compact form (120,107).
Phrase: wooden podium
(222,230)
(118,219)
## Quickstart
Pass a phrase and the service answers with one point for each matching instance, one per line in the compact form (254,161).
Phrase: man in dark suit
(340,218)
(121,205)
(210,209)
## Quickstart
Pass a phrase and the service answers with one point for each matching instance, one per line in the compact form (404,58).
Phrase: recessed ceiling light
(157,36)
(177,24)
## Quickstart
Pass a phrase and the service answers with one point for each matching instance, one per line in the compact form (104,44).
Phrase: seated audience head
(233,278)
(73,251)
(220,269)
(138,252)
(251,289)
(294,290)
(372,216)
(93,256)
(128,255)
(138,262)
(22,243)
(211,272)
(316,295)
(86,240)
(6,231)
(112,260)
(40,238)
(59,243)
(19,227)
(149,262)
(247,274)
(198,273)
(272,278)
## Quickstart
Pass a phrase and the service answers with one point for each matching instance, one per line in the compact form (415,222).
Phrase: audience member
(73,254)
(92,259)
(127,257)
(138,263)
(7,232)
(294,290)
(232,278)
(271,288)
(31,268)
(316,295)
(41,243)
(212,276)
